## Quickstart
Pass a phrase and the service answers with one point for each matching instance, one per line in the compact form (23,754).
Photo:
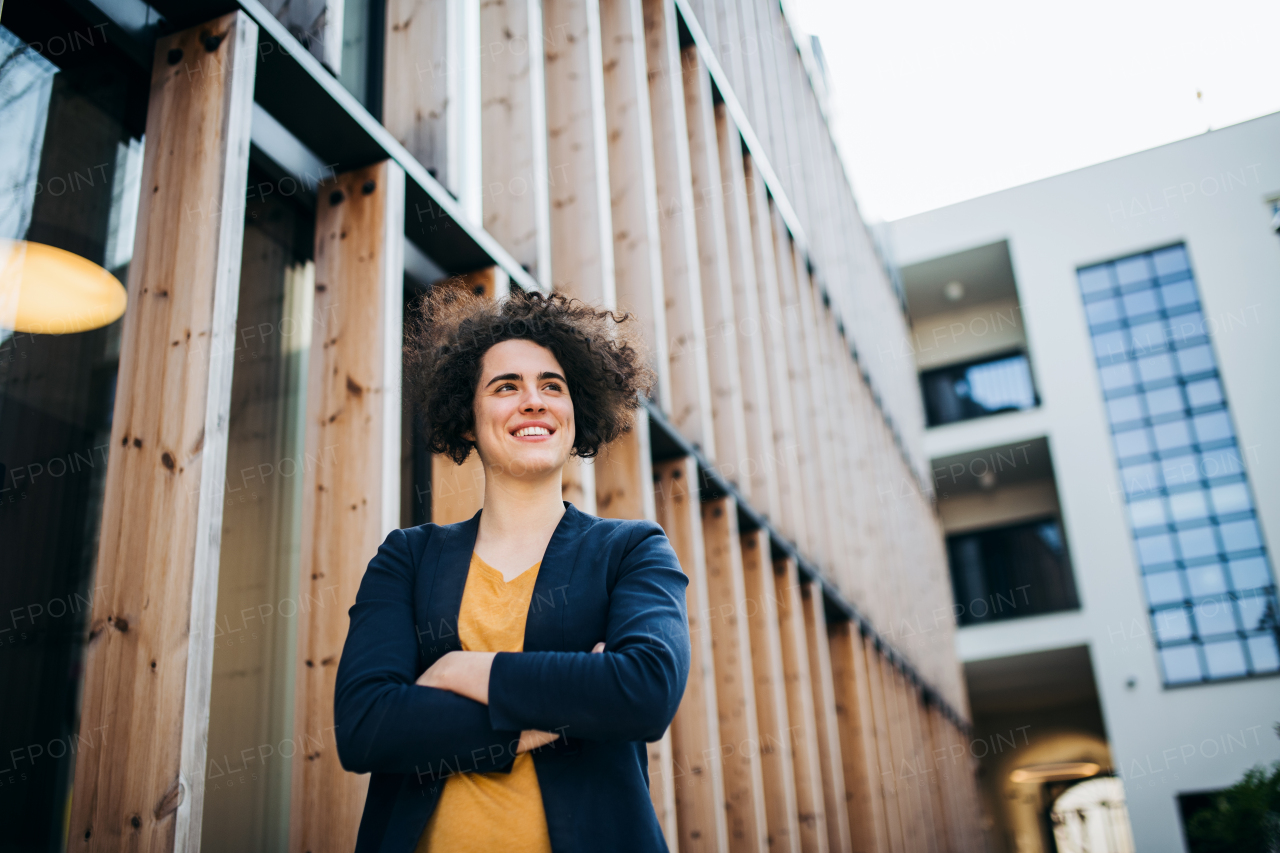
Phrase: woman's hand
(464,673)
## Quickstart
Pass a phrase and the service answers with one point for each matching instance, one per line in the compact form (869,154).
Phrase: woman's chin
(533,462)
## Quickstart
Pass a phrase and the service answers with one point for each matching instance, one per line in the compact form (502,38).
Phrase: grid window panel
(1206,571)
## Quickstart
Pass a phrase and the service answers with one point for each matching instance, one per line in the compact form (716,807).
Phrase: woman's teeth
(534,431)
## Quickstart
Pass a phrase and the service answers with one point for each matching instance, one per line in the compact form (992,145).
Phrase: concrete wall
(1212,192)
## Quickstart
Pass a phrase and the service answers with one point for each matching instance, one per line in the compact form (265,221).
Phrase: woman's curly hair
(603,356)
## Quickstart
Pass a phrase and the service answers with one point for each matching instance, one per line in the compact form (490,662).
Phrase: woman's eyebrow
(503,376)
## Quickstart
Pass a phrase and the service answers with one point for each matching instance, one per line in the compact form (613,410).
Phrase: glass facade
(71,125)
(975,389)
(1207,576)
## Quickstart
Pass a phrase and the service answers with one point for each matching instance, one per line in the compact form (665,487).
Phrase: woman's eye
(506,385)
(553,386)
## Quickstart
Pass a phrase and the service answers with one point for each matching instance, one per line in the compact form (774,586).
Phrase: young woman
(501,675)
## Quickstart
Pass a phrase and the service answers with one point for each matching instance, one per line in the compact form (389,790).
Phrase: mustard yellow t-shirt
(491,812)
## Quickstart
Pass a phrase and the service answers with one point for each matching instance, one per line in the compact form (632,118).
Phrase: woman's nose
(533,402)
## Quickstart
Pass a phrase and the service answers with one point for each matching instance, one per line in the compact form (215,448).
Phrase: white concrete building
(1099,355)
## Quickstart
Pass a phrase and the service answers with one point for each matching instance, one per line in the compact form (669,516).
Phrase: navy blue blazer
(600,579)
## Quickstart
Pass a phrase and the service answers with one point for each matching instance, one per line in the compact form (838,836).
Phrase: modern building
(217,216)
(1097,360)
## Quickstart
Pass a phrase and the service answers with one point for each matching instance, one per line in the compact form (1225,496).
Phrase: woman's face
(524,417)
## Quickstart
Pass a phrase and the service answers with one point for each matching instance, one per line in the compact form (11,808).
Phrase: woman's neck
(520,516)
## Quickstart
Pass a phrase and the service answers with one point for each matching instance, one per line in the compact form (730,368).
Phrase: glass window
(1188,505)
(1206,392)
(1225,659)
(1233,497)
(1171,435)
(1212,427)
(1249,573)
(1206,580)
(1164,588)
(1215,615)
(1195,360)
(1240,535)
(71,149)
(1164,401)
(1134,442)
(1264,654)
(1181,664)
(1123,409)
(1181,469)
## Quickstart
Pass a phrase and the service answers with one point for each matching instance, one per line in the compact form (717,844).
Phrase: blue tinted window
(1206,573)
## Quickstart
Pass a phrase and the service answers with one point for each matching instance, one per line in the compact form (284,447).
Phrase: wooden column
(149,656)
(690,410)
(791,496)
(804,740)
(725,374)
(824,709)
(880,714)
(637,246)
(695,732)
(516,207)
(431,91)
(735,683)
(914,772)
(899,747)
(760,479)
(777,765)
(865,803)
(349,506)
(577,152)
(457,491)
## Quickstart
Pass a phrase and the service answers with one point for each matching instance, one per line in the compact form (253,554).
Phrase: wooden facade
(670,158)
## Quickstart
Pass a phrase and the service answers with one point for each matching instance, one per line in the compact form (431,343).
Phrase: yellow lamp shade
(50,291)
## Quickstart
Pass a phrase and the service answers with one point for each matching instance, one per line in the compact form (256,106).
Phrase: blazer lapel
(544,626)
(444,586)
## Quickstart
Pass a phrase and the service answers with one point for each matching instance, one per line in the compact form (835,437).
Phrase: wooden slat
(760,479)
(695,732)
(637,246)
(761,604)
(916,770)
(880,714)
(149,652)
(731,455)
(662,789)
(810,804)
(431,91)
(773,342)
(864,799)
(735,682)
(349,506)
(516,207)
(577,151)
(900,748)
(690,410)
(457,491)
(933,756)
(824,712)
(809,535)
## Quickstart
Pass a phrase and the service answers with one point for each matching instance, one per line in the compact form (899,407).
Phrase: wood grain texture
(724,372)
(577,152)
(864,802)
(894,812)
(777,764)
(637,244)
(824,712)
(810,803)
(514,171)
(695,732)
(791,495)
(349,507)
(759,480)
(727,606)
(690,410)
(149,655)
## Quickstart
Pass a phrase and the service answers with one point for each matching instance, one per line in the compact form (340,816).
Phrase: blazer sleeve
(630,691)
(385,722)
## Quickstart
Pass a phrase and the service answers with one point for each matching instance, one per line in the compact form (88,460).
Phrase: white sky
(937,102)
